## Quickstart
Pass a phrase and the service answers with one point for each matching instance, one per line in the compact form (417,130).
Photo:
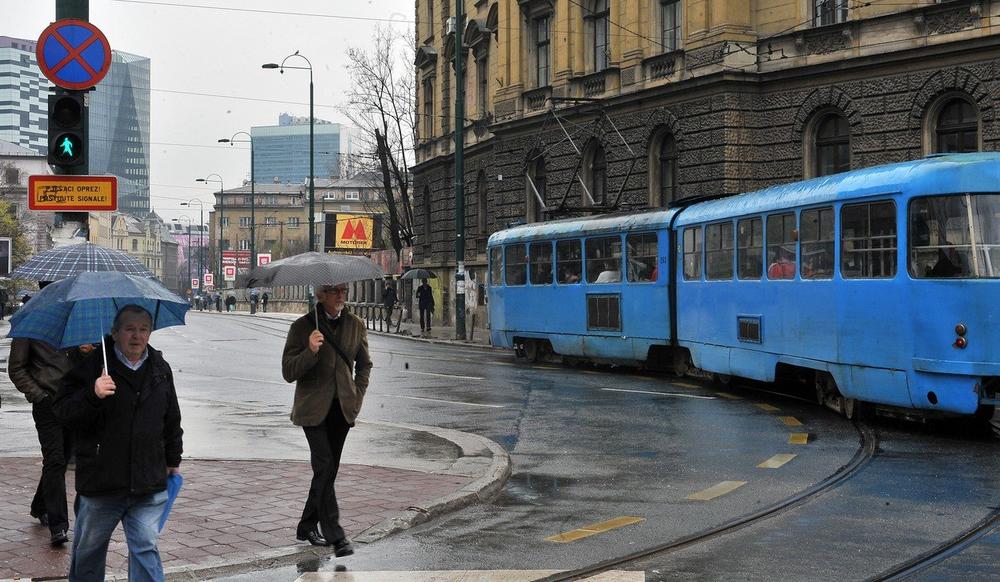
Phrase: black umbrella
(61,262)
(316,269)
(419,274)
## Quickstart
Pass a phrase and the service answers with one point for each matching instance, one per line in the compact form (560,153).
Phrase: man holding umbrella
(127,437)
(326,355)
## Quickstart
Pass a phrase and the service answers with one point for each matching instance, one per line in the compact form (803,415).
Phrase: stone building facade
(607,105)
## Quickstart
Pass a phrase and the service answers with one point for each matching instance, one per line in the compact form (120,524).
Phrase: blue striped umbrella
(81,309)
(61,262)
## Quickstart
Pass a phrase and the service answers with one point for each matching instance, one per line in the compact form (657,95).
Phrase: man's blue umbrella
(81,309)
(174,483)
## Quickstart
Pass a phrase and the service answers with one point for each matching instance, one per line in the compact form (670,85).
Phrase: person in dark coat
(230,303)
(389,300)
(127,437)
(330,367)
(263,301)
(4,298)
(254,299)
(425,301)
(37,369)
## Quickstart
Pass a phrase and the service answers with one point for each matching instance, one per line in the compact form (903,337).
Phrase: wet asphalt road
(589,445)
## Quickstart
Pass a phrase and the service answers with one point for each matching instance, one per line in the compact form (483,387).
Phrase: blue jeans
(97,518)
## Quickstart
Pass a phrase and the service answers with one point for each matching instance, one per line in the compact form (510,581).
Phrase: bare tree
(380,104)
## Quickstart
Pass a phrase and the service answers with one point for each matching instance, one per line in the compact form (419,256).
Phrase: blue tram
(879,286)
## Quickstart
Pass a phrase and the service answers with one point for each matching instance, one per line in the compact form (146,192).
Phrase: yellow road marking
(798,438)
(766,407)
(716,490)
(686,384)
(776,461)
(729,396)
(593,529)
(790,421)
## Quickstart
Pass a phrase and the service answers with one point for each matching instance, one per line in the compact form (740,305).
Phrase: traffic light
(68,131)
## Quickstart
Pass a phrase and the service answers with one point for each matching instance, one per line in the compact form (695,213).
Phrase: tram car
(878,286)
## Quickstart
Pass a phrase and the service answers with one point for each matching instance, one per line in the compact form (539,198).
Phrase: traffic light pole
(460,55)
(73,9)
(79,9)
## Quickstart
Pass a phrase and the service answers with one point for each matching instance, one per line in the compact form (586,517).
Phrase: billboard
(236,258)
(346,232)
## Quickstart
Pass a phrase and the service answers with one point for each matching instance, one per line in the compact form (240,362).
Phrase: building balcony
(534,100)
(663,65)
(597,84)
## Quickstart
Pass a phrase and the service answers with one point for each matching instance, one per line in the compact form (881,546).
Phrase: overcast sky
(206,79)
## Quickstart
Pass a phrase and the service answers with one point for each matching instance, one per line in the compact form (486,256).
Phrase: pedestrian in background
(230,303)
(254,298)
(218,302)
(263,301)
(4,298)
(389,300)
(37,370)
(425,301)
(127,436)
(326,355)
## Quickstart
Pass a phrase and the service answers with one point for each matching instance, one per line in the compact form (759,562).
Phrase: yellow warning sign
(73,193)
(354,232)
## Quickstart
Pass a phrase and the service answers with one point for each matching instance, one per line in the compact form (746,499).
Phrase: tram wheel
(531,350)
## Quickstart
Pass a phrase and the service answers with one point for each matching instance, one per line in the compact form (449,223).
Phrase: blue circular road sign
(73,54)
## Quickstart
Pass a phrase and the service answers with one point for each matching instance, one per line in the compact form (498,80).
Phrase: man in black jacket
(127,436)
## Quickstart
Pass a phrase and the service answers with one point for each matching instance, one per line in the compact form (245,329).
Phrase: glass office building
(119,130)
(24,96)
(281,152)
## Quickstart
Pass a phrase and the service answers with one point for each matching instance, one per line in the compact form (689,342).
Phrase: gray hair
(130,309)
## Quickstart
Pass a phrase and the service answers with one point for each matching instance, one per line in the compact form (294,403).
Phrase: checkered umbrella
(81,309)
(316,269)
(62,262)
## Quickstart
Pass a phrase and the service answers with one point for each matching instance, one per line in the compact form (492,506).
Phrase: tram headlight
(960,343)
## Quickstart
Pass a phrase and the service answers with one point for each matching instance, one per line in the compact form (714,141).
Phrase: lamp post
(188,251)
(253,197)
(312,122)
(201,239)
(222,205)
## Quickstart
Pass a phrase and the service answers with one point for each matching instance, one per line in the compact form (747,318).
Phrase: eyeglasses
(334,290)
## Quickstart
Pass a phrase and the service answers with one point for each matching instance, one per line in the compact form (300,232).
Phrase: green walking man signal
(68,132)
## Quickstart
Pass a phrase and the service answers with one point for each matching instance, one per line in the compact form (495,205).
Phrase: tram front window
(955,237)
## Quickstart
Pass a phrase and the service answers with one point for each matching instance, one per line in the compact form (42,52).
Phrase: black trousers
(425,314)
(50,496)
(326,443)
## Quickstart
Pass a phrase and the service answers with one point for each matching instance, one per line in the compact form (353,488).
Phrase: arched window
(427,219)
(957,128)
(596,173)
(535,190)
(481,201)
(832,152)
(662,169)
(600,34)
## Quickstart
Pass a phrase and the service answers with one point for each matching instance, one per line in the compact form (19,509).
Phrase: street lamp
(253,197)
(188,251)
(222,205)
(312,122)
(201,240)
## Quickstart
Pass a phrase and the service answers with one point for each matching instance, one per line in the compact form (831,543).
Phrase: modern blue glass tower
(281,152)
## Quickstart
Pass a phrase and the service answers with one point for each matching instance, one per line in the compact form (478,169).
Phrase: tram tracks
(866,452)
(952,547)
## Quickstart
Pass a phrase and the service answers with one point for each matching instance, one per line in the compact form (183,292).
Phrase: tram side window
(781,246)
(868,241)
(946,244)
(817,244)
(604,260)
(692,253)
(496,266)
(640,257)
(516,261)
(719,251)
(569,262)
(750,251)
(541,263)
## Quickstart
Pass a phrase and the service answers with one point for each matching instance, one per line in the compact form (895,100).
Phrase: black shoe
(342,547)
(43,518)
(313,537)
(59,538)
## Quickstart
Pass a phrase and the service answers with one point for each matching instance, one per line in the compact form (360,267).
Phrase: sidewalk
(240,515)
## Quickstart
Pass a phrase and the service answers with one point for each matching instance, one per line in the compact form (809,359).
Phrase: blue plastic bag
(174,483)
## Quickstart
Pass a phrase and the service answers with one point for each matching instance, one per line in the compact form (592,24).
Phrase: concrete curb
(479,456)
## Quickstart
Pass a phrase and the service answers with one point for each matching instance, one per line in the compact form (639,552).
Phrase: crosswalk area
(462,576)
